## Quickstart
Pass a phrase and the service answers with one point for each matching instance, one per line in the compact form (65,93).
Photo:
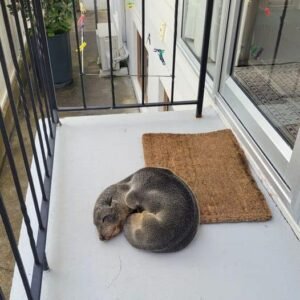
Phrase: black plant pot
(61,60)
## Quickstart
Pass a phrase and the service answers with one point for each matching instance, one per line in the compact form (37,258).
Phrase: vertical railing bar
(16,65)
(14,247)
(143,52)
(39,67)
(46,84)
(26,111)
(15,175)
(36,86)
(29,83)
(96,13)
(204,56)
(82,50)
(20,137)
(47,97)
(81,74)
(46,56)
(111,55)
(174,49)
(47,77)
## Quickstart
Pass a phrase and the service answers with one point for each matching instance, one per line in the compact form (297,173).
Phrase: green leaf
(58,16)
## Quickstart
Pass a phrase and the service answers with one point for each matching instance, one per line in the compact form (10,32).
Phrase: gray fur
(156,209)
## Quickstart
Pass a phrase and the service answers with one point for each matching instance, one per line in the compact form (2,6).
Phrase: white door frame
(279,163)
(293,178)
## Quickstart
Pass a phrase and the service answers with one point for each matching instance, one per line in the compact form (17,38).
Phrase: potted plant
(58,16)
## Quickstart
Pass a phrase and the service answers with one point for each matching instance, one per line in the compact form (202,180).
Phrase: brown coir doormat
(215,168)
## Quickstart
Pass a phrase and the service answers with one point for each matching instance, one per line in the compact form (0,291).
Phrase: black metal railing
(203,64)
(35,96)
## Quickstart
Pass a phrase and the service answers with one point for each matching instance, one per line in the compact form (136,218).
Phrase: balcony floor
(225,261)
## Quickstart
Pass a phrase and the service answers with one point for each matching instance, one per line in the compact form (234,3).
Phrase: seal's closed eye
(109,219)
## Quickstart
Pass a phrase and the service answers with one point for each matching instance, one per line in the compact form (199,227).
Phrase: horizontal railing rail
(203,64)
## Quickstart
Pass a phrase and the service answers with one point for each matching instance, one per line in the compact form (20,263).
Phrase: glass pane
(193,25)
(267,61)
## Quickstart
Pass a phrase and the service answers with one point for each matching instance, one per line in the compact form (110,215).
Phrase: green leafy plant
(57,16)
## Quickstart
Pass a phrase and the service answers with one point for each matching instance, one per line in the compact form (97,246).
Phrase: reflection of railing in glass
(192,29)
(267,62)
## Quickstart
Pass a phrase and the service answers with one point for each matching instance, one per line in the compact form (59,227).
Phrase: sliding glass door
(267,62)
(260,79)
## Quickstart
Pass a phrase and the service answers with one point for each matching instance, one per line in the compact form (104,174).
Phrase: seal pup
(155,208)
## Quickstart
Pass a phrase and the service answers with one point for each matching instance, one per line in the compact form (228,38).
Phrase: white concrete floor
(225,261)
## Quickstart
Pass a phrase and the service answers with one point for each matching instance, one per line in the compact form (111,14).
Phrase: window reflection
(193,26)
(267,61)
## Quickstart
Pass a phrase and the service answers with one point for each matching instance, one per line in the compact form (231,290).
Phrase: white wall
(7,53)
(186,82)
(89,4)
(118,17)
